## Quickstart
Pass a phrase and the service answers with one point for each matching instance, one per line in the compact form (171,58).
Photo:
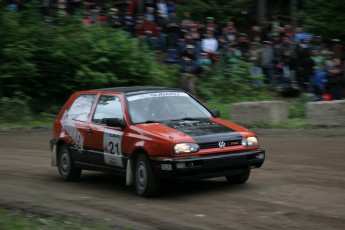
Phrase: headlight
(186,148)
(250,141)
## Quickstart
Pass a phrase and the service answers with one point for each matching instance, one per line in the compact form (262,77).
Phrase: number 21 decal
(112,147)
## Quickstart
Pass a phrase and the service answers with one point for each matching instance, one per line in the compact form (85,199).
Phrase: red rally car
(150,134)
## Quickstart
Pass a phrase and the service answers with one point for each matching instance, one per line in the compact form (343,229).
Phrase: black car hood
(205,130)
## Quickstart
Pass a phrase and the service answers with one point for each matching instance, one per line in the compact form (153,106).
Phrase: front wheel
(239,178)
(67,169)
(146,183)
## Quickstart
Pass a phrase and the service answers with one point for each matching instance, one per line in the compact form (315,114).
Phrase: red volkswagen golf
(150,134)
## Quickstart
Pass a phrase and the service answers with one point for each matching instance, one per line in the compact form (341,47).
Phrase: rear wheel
(67,169)
(146,183)
(239,178)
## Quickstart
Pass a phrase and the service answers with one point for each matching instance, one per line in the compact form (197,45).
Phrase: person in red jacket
(149,32)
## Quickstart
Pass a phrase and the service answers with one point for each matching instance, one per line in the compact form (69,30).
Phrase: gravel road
(300,186)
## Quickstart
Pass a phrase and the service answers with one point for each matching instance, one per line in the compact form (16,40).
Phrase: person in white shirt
(209,45)
(162,8)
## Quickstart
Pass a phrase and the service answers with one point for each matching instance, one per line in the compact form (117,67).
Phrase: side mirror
(216,112)
(115,122)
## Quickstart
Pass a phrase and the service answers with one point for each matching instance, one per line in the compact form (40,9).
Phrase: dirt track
(300,186)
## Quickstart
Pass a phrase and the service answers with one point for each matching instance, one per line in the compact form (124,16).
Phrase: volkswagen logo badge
(221,144)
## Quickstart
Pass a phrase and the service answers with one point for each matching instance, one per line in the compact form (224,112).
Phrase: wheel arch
(130,164)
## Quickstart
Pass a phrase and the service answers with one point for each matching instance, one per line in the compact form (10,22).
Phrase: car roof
(138,89)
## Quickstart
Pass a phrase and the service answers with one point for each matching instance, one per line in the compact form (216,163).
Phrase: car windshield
(160,107)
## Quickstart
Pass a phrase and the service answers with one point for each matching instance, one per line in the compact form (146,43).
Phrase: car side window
(81,107)
(107,107)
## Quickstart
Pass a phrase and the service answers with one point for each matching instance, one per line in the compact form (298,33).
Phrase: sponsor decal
(188,124)
(72,132)
(152,95)
(112,147)
(205,130)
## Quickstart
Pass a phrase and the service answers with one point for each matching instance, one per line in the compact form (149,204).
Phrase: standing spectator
(243,43)
(230,32)
(211,26)
(275,25)
(328,57)
(188,60)
(193,37)
(186,23)
(234,55)
(265,31)
(319,76)
(304,67)
(278,60)
(204,63)
(288,32)
(87,19)
(150,14)
(209,45)
(301,35)
(162,8)
(256,32)
(337,48)
(12,5)
(317,43)
(128,23)
(267,58)
(289,59)
(255,49)
(148,31)
(173,31)
(171,7)
(189,70)
(114,20)
(319,60)
(336,79)
(162,37)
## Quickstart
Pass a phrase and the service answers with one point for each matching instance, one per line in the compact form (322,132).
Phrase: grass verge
(15,220)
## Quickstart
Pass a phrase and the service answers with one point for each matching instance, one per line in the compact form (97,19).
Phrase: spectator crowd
(290,59)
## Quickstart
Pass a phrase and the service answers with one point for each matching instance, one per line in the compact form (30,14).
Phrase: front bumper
(199,167)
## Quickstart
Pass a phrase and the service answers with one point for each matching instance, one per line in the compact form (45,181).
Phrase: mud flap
(54,156)
(129,173)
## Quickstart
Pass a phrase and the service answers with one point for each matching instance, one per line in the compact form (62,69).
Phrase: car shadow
(169,189)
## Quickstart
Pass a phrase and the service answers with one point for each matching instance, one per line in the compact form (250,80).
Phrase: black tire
(67,169)
(146,183)
(239,178)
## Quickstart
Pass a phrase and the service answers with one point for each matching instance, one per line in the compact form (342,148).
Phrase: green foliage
(221,10)
(235,86)
(10,220)
(298,106)
(15,109)
(294,123)
(325,17)
(49,61)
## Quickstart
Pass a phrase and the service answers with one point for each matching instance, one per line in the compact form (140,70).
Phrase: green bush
(15,109)
(48,61)
(236,85)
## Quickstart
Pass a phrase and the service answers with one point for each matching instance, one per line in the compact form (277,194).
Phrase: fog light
(166,167)
(180,165)
(260,156)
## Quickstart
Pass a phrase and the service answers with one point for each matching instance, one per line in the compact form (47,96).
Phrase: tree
(325,18)
(221,10)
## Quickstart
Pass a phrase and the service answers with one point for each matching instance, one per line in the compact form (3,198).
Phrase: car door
(105,148)
(74,124)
